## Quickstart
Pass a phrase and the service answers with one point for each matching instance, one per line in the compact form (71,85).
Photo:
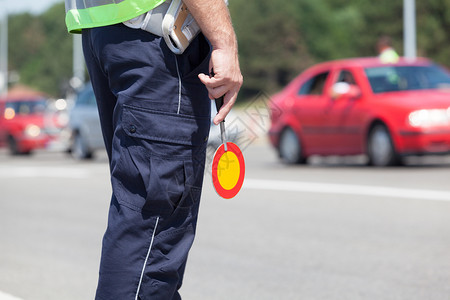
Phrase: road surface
(334,229)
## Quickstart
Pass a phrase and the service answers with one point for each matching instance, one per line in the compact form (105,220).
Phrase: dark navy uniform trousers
(155,117)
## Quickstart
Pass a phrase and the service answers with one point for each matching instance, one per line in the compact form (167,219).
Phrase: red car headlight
(429,117)
(9,113)
(32,131)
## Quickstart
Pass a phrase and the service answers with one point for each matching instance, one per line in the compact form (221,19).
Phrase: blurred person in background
(386,52)
(155,117)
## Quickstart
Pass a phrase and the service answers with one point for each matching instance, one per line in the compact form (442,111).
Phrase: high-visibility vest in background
(389,56)
(95,13)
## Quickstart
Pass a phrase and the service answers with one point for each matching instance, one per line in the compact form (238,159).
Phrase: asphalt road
(334,229)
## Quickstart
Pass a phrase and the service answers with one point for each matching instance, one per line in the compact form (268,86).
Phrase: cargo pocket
(160,168)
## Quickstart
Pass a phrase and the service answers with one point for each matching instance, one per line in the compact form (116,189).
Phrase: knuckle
(215,94)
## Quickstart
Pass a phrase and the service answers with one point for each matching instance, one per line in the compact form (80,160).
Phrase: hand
(214,19)
(227,79)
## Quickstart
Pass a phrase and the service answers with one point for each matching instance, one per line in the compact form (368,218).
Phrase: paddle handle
(219,103)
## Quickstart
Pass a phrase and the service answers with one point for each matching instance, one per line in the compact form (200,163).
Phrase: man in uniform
(155,115)
(386,53)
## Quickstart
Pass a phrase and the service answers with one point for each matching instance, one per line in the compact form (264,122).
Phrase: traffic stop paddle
(228,166)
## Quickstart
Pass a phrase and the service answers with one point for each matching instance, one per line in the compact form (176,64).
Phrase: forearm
(214,20)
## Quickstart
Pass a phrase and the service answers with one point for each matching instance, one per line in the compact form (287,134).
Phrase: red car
(362,106)
(24,123)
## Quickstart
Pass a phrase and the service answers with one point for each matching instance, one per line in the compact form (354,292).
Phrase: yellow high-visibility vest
(389,56)
(95,13)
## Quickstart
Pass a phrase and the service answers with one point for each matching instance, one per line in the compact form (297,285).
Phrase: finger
(223,112)
(209,82)
(229,100)
(218,92)
(203,77)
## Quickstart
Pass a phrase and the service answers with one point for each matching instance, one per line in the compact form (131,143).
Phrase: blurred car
(84,124)
(26,124)
(361,106)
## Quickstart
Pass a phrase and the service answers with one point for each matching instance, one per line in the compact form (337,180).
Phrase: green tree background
(277,39)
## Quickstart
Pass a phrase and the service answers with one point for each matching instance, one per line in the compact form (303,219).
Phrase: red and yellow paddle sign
(228,170)
(228,166)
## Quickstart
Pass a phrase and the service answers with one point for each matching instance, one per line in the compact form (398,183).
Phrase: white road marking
(41,172)
(4,296)
(249,183)
(346,189)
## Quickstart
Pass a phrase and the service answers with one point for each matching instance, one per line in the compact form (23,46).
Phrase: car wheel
(380,148)
(14,147)
(79,148)
(290,147)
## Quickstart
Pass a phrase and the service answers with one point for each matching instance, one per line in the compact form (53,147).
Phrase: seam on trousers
(146,259)
(179,85)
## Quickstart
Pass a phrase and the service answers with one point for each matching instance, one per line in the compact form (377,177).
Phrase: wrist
(226,43)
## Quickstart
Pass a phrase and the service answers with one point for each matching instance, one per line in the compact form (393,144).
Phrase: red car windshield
(26,107)
(407,78)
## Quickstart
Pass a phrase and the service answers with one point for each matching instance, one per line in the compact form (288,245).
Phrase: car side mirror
(344,89)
